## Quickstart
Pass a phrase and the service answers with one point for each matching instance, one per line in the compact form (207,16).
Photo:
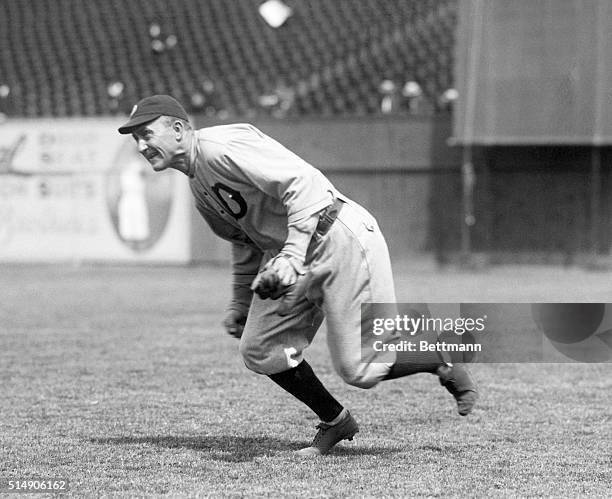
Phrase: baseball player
(301,251)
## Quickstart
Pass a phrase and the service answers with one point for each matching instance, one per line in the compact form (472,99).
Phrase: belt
(328,217)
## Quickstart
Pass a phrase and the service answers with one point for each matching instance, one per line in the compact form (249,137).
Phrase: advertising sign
(77,190)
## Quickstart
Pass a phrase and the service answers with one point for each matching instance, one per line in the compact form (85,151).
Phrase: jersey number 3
(231,199)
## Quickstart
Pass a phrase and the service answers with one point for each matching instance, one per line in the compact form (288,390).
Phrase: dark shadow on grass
(235,448)
(221,447)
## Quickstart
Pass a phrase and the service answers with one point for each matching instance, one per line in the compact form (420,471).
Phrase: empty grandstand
(89,57)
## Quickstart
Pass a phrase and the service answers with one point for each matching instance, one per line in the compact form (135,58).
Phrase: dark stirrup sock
(303,384)
(407,363)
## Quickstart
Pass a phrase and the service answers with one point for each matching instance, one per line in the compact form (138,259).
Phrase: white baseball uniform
(249,188)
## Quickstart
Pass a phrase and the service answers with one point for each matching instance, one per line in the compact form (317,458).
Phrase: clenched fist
(234,322)
(275,279)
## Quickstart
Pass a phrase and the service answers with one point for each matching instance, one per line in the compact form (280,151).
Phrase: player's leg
(352,269)
(273,345)
(336,421)
(454,377)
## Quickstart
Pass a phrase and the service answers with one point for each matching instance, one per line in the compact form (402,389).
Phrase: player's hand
(234,322)
(275,279)
(285,270)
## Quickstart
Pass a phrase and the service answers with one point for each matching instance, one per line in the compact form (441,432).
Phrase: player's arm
(293,253)
(246,260)
(281,174)
(280,276)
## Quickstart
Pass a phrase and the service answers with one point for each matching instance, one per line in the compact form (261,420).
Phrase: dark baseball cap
(151,108)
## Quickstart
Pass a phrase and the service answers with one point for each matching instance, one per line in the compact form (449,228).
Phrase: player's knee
(248,353)
(256,359)
(357,378)
(360,382)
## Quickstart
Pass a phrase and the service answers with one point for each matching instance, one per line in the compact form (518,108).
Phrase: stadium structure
(463,138)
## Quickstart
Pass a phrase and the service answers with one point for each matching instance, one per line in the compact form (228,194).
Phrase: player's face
(157,142)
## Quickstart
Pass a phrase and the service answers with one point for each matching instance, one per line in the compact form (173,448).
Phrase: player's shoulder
(217,143)
(225,134)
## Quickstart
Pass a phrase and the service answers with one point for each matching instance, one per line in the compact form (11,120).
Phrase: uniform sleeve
(279,173)
(299,235)
(246,260)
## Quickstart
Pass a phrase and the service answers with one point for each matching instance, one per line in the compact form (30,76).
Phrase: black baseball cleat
(329,435)
(459,383)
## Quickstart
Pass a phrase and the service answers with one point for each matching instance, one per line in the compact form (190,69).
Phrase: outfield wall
(68,187)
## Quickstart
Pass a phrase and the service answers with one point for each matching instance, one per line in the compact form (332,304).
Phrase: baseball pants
(348,266)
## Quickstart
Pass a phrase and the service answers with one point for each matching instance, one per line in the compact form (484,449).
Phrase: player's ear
(178,129)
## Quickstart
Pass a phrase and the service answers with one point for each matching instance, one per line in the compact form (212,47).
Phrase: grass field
(121,380)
